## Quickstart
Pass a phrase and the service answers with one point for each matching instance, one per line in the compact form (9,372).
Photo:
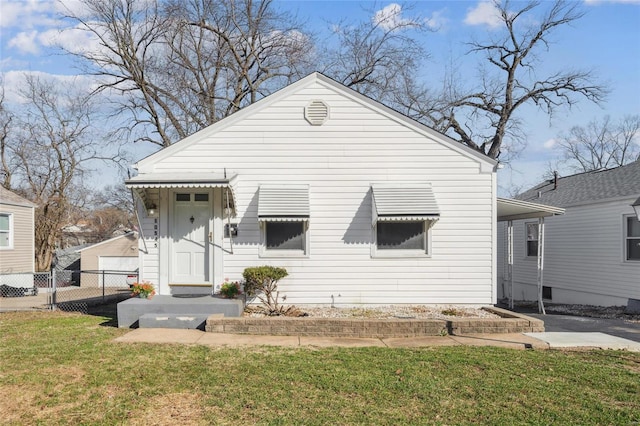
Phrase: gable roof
(589,187)
(133,234)
(146,164)
(11,198)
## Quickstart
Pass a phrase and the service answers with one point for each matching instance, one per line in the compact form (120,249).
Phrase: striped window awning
(143,182)
(179,180)
(283,203)
(403,202)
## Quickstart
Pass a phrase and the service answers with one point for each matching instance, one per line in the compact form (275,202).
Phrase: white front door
(190,240)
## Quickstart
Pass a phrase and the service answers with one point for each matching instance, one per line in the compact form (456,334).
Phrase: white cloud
(390,17)
(8,62)
(14,80)
(437,20)
(73,40)
(485,13)
(25,42)
(550,143)
(27,14)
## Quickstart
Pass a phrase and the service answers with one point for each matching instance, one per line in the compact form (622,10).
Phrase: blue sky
(606,40)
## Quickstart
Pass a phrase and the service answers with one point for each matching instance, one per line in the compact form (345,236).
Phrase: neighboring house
(110,261)
(16,234)
(359,203)
(592,252)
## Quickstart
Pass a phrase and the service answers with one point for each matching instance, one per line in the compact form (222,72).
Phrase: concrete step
(175,320)
(132,309)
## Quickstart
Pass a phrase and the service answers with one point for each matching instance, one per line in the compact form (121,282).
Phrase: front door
(191,249)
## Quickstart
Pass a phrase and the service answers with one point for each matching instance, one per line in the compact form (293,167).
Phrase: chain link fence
(74,291)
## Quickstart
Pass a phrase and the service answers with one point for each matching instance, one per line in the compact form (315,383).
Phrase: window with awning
(283,214)
(402,217)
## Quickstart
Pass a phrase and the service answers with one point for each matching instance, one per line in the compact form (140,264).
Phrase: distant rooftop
(8,197)
(583,188)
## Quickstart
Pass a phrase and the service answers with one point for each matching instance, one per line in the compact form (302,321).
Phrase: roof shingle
(584,188)
(8,197)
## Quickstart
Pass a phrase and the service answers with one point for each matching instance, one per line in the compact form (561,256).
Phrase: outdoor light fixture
(636,207)
(152,211)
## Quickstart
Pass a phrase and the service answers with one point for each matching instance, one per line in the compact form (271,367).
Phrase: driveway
(570,323)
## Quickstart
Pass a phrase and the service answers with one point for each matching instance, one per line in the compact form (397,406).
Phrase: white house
(359,203)
(592,252)
(16,233)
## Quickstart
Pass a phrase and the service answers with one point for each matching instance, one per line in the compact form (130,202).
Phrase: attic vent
(316,113)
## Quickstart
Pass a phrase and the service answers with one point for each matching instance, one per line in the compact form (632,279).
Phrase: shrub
(262,282)
(230,289)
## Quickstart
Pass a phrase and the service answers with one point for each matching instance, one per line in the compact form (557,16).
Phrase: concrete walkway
(513,341)
(563,339)
(166,335)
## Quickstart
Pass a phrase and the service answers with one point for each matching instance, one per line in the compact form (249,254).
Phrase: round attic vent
(316,113)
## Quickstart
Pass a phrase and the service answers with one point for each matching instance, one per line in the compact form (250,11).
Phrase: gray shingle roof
(8,197)
(583,188)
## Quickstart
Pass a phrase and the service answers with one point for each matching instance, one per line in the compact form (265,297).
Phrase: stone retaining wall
(375,328)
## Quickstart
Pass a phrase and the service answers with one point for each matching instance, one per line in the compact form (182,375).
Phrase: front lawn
(58,368)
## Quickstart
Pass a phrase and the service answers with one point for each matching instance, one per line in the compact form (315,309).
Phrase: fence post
(103,285)
(54,291)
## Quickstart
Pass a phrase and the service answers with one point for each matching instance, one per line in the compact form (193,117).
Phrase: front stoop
(179,321)
(131,311)
(376,328)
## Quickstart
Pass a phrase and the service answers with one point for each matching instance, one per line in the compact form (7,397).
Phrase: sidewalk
(166,335)
(513,340)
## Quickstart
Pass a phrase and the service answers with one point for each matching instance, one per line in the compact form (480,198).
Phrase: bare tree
(5,128)
(180,66)
(379,57)
(484,117)
(50,152)
(601,144)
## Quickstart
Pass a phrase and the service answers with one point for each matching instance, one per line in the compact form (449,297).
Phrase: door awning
(403,202)
(283,203)
(179,180)
(509,209)
(143,182)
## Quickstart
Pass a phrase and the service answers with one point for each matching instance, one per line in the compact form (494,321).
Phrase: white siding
(339,160)
(20,257)
(584,258)
(148,245)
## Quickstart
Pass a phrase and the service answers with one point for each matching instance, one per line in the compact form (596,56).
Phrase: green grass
(65,369)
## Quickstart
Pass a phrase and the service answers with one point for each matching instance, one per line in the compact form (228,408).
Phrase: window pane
(202,197)
(4,239)
(532,239)
(400,236)
(633,227)
(633,249)
(285,235)
(183,197)
(4,222)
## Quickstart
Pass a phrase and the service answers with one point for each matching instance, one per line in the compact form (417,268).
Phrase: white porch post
(510,261)
(540,264)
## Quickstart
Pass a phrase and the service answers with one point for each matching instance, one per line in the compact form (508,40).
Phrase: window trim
(626,238)
(526,239)
(266,253)
(402,253)
(10,231)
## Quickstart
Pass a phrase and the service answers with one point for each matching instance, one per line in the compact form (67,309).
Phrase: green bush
(230,289)
(262,282)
